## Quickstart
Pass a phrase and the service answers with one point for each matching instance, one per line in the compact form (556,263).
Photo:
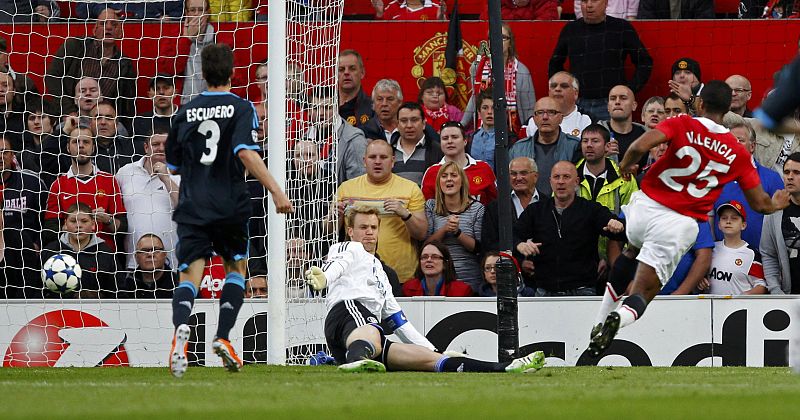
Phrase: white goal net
(87,90)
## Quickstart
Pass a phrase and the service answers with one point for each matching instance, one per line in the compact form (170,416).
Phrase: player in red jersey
(678,191)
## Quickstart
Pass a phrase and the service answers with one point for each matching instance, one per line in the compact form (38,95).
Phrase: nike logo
(226,305)
(185,303)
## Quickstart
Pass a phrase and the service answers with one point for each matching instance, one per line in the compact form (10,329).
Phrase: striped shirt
(470,222)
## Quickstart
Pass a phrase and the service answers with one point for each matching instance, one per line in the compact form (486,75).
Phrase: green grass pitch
(272,392)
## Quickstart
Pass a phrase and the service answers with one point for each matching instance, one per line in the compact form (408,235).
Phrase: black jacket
(433,148)
(568,257)
(135,288)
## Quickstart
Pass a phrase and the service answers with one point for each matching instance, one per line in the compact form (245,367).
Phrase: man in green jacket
(601,181)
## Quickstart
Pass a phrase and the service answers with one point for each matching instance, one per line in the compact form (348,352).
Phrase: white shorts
(661,234)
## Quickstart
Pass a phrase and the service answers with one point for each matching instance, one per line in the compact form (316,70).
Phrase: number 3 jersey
(701,158)
(205,136)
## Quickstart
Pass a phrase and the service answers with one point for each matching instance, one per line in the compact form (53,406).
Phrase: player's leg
(411,357)
(665,236)
(620,277)
(192,245)
(231,242)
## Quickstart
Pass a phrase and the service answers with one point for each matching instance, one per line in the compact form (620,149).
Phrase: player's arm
(255,166)
(761,202)
(638,149)
(340,257)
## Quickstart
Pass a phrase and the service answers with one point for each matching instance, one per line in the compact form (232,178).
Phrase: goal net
(89,89)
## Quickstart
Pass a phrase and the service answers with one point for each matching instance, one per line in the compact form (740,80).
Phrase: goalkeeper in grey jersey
(360,297)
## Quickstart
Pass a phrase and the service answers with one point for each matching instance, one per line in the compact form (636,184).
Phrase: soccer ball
(61,274)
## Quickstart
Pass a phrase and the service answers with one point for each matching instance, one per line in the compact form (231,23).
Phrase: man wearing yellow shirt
(399,201)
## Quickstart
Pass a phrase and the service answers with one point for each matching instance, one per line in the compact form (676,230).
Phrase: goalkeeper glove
(315,278)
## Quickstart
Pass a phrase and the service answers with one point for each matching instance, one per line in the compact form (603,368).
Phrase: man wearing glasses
(153,277)
(549,144)
(742,92)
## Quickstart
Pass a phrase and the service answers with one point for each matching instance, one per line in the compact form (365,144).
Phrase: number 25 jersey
(702,157)
(205,137)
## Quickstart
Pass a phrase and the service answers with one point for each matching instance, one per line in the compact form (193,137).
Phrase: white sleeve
(340,256)
(408,334)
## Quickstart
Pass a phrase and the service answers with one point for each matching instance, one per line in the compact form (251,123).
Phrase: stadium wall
(704,331)
(412,51)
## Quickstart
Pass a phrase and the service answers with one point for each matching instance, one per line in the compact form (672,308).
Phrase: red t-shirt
(455,288)
(100,190)
(213,279)
(701,158)
(398,10)
(479,174)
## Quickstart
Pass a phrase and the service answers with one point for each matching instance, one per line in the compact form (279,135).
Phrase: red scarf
(514,124)
(437,117)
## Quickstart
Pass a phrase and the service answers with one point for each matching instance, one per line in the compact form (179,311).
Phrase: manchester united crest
(429,61)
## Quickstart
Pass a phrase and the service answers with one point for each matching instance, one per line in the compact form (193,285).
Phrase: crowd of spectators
(84,173)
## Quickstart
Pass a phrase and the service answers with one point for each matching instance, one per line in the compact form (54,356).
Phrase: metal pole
(507,323)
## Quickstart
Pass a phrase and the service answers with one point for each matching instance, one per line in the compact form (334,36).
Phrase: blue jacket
(482,146)
(566,146)
(732,191)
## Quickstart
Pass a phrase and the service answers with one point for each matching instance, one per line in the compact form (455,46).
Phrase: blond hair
(350,216)
(439,207)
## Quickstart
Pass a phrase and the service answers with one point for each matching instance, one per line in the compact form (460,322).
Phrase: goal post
(300,42)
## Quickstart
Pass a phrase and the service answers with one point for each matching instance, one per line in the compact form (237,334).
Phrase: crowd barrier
(675,331)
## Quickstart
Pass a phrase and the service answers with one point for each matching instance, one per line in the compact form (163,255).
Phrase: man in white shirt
(360,304)
(150,195)
(564,89)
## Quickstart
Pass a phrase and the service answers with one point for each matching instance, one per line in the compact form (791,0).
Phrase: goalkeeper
(360,297)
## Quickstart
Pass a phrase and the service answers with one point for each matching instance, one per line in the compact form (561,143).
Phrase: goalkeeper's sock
(632,309)
(229,303)
(465,364)
(359,350)
(182,302)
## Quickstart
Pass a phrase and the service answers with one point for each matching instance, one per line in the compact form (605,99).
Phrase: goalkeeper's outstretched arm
(339,259)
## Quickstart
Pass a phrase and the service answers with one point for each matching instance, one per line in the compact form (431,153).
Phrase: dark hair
(107,102)
(484,95)
(79,207)
(486,257)
(412,106)
(456,124)
(794,157)
(716,96)
(448,268)
(217,62)
(597,128)
(430,83)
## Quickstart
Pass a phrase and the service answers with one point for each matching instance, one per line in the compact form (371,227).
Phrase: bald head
(547,116)
(741,93)
(564,182)
(621,103)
